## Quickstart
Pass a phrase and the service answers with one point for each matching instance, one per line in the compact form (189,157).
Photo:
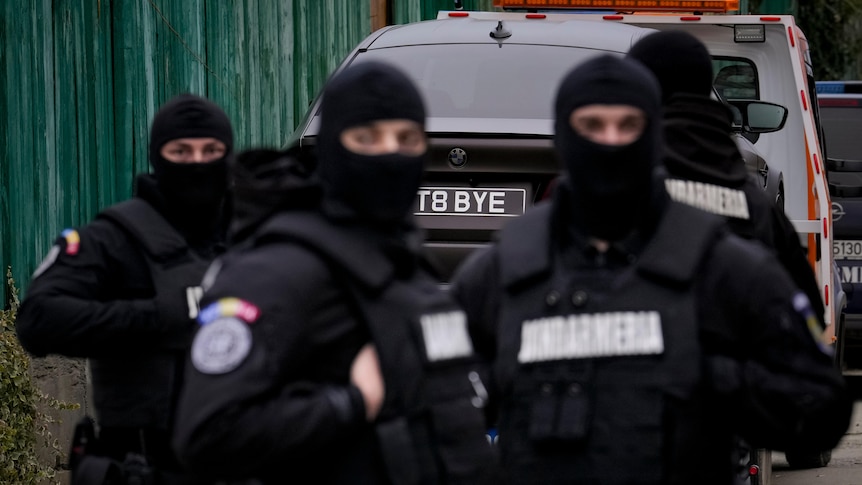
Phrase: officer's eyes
(410,139)
(632,124)
(365,137)
(592,125)
(412,142)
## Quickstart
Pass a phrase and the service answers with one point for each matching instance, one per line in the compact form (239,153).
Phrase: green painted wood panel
(326,32)
(5,88)
(82,80)
(53,151)
(404,11)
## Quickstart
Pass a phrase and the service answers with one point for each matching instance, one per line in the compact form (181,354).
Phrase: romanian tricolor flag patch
(73,241)
(229,307)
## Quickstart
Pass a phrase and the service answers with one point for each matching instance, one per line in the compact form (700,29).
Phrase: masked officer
(701,157)
(326,350)
(122,291)
(630,335)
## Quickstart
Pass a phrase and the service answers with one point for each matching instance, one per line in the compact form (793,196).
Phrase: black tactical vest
(140,390)
(600,392)
(431,427)
(745,215)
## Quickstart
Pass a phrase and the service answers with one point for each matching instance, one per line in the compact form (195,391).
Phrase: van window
(735,78)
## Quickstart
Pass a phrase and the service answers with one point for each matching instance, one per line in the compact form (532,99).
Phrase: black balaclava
(193,192)
(697,128)
(679,61)
(610,185)
(380,189)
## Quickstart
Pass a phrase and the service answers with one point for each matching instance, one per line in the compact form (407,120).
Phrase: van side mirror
(758,116)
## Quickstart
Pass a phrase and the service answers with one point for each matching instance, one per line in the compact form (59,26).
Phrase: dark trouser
(101,470)
(153,444)
(130,456)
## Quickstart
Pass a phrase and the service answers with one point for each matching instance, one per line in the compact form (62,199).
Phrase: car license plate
(470,201)
(847,249)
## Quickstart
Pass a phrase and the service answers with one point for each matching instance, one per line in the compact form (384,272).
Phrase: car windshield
(486,81)
(842,124)
(487,88)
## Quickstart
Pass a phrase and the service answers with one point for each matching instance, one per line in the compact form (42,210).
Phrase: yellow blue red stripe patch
(73,241)
(229,307)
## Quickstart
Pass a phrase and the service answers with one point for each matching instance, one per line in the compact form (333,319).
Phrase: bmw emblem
(457,157)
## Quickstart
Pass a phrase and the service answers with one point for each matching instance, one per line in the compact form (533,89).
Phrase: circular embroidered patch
(221,346)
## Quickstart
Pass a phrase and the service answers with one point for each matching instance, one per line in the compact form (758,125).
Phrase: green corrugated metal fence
(83,78)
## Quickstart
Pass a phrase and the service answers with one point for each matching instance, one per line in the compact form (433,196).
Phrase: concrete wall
(65,380)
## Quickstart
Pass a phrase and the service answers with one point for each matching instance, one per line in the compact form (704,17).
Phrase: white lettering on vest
(193,298)
(591,335)
(711,198)
(446,335)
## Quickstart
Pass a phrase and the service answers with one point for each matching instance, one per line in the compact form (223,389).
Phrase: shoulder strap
(355,284)
(155,234)
(523,246)
(343,248)
(342,278)
(683,237)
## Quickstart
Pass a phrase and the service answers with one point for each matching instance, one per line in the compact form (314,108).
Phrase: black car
(841,114)
(488,80)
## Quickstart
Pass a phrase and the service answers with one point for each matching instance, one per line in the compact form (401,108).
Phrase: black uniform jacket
(95,297)
(770,380)
(284,403)
(699,148)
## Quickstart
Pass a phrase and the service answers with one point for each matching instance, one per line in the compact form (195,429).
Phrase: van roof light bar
(717,6)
